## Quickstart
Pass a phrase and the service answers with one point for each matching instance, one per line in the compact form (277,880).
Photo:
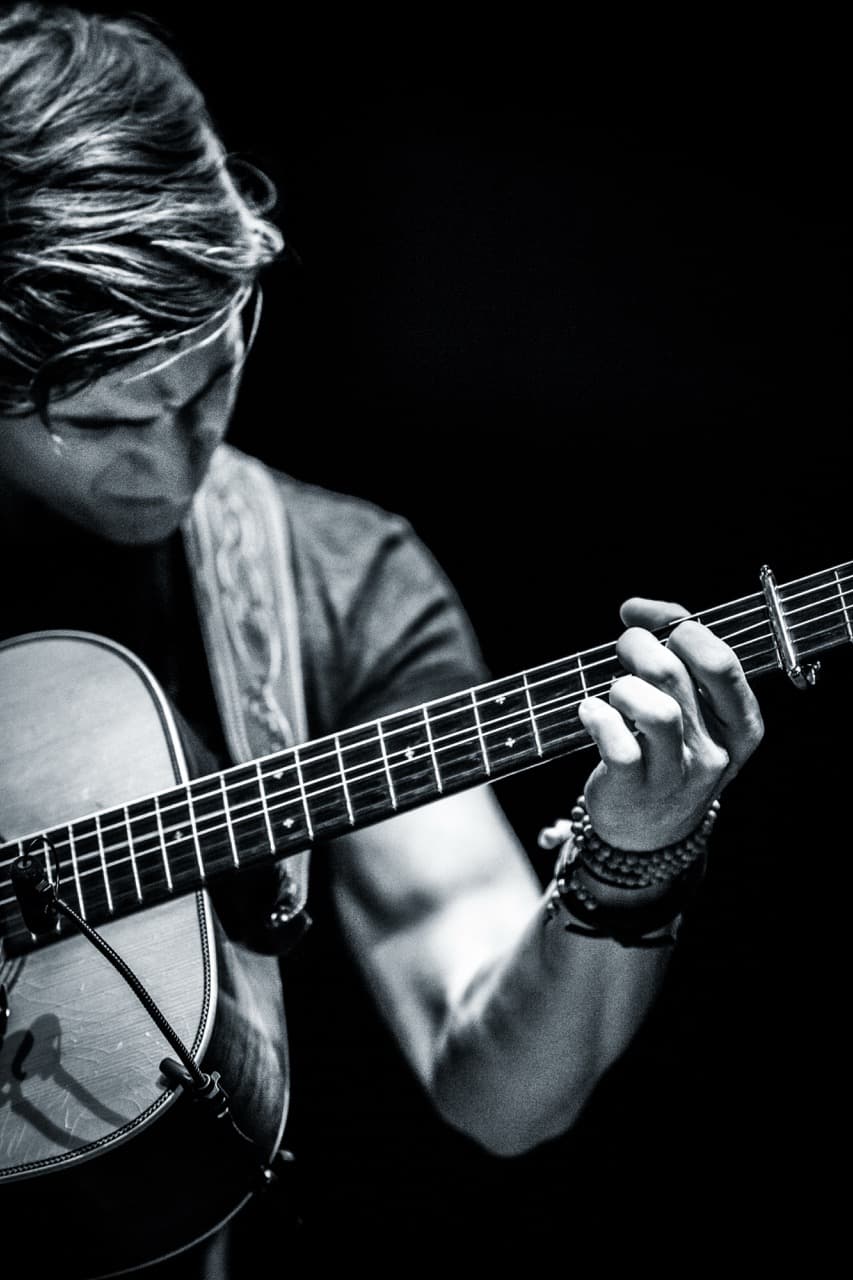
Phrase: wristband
(660,883)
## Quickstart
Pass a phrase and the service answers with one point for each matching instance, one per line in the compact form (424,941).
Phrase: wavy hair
(123,223)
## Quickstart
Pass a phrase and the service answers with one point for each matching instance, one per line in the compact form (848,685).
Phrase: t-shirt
(381,627)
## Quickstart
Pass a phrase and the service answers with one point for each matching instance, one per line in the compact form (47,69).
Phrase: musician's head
(130,246)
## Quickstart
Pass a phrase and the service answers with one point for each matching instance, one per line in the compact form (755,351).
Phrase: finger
(617,745)
(658,717)
(642,655)
(555,835)
(715,668)
(651,614)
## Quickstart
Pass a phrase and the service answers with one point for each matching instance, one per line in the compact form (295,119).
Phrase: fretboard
(124,859)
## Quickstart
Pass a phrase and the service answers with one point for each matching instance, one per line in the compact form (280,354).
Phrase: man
(129,268)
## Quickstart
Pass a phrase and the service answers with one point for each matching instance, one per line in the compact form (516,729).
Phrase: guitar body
(102,1167)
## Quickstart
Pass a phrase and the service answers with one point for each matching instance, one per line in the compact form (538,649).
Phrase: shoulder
(347,547)
(338,523)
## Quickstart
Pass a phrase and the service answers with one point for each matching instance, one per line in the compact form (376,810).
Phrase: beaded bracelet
(651,917)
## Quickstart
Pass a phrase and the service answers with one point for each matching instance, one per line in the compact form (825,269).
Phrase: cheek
(39,466)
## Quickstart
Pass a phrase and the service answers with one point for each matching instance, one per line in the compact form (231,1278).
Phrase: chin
(141,529)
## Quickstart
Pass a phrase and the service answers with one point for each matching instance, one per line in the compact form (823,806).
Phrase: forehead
(168,375)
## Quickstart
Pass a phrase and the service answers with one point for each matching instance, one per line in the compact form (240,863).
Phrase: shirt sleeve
(382,627)
(410,637)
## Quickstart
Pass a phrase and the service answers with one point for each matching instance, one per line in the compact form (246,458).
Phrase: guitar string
(563,663)
(496,724)
(833,598)
(567,666)
(562,704)
(559,705)
(174,856)
(156,848)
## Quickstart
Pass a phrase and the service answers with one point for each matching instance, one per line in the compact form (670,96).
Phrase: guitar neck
(118,861)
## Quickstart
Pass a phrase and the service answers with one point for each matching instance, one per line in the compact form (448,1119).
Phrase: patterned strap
(238,548)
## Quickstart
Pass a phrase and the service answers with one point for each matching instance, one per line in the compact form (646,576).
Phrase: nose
(158,460)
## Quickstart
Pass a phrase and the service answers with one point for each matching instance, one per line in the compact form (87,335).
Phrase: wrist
(633,896)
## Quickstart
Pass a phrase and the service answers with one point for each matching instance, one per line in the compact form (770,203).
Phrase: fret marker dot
(287,822)
(278,775)
(500,699)
(510,742)
(410,753)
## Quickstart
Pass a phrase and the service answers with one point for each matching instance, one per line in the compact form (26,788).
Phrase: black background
(581,314)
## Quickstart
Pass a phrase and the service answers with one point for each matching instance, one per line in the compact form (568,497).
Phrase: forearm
(521,1052)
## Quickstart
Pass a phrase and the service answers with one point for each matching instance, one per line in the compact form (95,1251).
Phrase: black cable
(38,897)
(200,1080)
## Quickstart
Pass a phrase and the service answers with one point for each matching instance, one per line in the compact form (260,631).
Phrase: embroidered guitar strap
(237,541)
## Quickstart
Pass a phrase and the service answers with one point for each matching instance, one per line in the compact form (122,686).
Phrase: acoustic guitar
(112,1163)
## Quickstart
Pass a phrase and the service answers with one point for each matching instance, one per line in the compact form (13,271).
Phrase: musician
(131,258)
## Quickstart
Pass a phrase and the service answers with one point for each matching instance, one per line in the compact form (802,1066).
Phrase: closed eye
(189,410)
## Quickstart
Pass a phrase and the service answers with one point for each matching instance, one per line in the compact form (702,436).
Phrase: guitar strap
(237,542)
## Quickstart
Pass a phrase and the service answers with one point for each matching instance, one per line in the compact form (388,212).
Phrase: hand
(674,732)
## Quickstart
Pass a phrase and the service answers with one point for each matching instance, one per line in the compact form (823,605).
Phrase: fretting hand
(674,731)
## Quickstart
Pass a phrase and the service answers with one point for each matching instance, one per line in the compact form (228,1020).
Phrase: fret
(506,725)
(343,796)
(180,839)
(212,835)
(284,805)
(531,714)
(301,781)
(754,648)
(108,874)
(392,795)
(343,772)
(480,733)
(747,629)
(431,746)
(264,806)
(744,621)
(103,860)
(148,863)
(812,615)
(556,691)
(583,678)
(453,742)
(325,787)
(369,788)
(843,606)
(227,812)
(196,846)
(246,813)
(91,884)
(167,870)
(409,758)
(75,871)
(132,855)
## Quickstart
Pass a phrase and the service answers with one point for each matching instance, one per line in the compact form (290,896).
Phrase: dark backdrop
(585,323)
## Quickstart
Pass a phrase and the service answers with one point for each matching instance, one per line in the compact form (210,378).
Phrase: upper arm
(428,900)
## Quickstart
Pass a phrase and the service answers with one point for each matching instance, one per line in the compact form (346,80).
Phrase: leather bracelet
(649,917)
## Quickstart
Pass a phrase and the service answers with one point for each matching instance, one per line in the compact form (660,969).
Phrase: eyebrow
(72,418)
